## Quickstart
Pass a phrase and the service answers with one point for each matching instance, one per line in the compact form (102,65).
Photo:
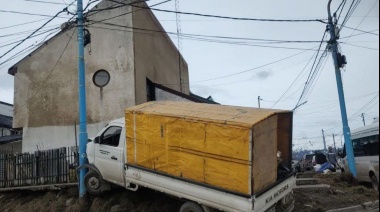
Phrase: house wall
(46,101)
(156,57)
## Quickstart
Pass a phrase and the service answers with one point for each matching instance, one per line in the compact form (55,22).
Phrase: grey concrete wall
(156,57)
(46,101)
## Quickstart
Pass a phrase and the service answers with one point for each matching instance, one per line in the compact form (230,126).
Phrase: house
(10,139)
(130,54)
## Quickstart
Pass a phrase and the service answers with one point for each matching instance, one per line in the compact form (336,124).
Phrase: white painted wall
(52,137)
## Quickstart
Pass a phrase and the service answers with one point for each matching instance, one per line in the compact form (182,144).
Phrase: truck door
(109,154)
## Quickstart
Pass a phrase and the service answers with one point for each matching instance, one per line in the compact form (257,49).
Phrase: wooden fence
(53,166)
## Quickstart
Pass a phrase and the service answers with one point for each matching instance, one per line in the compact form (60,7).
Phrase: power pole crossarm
(346,129)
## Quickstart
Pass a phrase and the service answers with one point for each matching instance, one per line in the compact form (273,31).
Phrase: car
(306,162)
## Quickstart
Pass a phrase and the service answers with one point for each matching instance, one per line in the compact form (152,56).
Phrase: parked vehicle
(306,162)
(296,166)
(210,156)
(366,152)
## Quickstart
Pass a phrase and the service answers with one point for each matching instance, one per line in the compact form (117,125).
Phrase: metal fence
(53,166)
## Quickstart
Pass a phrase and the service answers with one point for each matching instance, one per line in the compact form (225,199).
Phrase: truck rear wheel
(93,182)
(191,207)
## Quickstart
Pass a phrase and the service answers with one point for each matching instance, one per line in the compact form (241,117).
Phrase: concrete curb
(358,208)
(40,187)
(312,186)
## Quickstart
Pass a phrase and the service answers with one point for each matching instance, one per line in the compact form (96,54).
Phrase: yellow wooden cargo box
(226,147)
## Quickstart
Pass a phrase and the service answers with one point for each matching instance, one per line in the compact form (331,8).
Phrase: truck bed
(207,195)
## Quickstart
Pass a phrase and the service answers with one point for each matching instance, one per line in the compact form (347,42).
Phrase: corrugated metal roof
(10,138)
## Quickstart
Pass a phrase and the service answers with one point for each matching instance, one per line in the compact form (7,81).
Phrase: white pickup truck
(108,164)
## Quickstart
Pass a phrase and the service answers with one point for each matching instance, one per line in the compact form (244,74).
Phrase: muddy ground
(344,192)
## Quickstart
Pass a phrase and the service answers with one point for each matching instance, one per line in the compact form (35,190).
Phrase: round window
(101,78)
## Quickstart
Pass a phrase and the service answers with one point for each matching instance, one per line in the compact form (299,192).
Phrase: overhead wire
(18,44)
(234,18)
(44,2)
(29,48)
(16,25)
(308,81)
(362,20)
(292,84)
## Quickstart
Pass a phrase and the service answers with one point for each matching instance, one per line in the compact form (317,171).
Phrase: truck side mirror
(96,140)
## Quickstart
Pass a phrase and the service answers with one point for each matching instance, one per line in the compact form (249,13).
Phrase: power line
(235,18)
(28,48)
(363,19)
(16,25)
(252,77)
(350,11)
(36,35)
(27,32)
(365,32)
(287,90)
(44,2)
(308,81)
(199,37)
(64,10)
(363,47)
(106,19)
(32,14)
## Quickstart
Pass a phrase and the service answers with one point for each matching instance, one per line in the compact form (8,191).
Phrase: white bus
(366,151)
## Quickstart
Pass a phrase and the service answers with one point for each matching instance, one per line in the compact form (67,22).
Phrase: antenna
(179,32)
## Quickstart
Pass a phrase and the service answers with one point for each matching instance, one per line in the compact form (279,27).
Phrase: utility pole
(259,99)
(338,64)
(334,143)
(82,99)
(324,140)
(363,118)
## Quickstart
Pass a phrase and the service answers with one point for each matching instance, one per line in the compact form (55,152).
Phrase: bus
(366,151)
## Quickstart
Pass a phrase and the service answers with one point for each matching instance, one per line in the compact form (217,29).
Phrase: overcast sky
(236,72)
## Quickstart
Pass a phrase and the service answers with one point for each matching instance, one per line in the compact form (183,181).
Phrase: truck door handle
(114,158)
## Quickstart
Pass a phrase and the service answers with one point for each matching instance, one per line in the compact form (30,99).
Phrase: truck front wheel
(191,207)
(93,182)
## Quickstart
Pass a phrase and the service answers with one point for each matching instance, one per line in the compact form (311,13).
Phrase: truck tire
(93,182)
(191,207)
(375,183)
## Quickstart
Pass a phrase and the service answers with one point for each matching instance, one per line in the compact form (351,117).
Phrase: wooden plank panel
(264,154)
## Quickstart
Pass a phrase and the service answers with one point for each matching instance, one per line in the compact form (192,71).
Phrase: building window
(101,78)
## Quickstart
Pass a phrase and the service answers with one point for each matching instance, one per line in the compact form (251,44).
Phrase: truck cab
(105,153)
